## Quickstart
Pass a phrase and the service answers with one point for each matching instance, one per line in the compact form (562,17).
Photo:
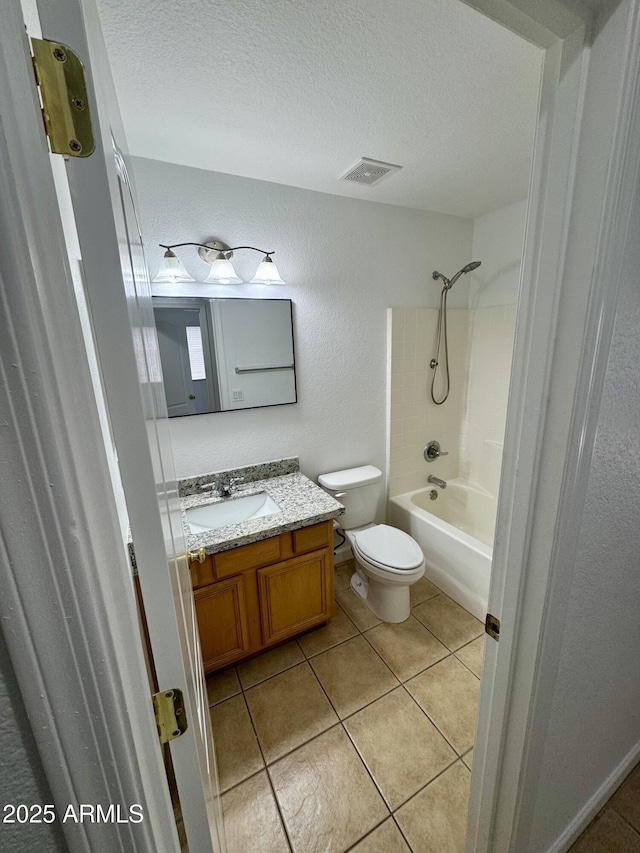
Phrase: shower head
(449,282)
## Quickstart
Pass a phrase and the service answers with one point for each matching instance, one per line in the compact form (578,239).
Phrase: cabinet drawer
(313,538)
(233,562)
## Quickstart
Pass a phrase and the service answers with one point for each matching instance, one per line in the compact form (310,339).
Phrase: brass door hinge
(492,626)
(170,715)
(65,106)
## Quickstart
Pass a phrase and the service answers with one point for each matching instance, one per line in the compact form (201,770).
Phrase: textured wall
(593,723)
(345,262)
(595,717)
(22,779)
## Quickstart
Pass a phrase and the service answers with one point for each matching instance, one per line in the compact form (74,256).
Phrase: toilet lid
(390,547)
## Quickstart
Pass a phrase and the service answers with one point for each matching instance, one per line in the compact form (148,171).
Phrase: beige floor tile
(357,610)
(326,796)
(337,630)
(450,623)
(288,709)
(407,647)
(237,751)
(422,590)
(387,838)
(343,574)
(353,675)
(468,759)
(269,663)
(608,833)
(626,800)
(449,693)
(400,745)
(222,685)
(435,820)
(251,819)
(472,656)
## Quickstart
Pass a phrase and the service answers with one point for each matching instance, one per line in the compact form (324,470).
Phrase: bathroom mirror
(220,355)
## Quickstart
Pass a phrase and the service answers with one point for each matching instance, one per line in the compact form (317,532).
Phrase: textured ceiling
(295,91)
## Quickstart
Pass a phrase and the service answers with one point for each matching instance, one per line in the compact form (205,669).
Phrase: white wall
(470,424)
(345,261)
(498,240)
(590,726)
(595,720)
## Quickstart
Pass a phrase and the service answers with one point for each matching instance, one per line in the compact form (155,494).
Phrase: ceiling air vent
(368,172)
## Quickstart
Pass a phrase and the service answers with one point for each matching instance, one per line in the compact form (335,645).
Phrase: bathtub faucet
(436,481)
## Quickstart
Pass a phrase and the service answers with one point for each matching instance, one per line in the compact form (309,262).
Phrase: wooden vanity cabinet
(256,596)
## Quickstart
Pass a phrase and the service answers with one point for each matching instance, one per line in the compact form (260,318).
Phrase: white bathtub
(455,532)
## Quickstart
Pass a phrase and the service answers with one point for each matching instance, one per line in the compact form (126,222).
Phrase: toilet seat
(389,549)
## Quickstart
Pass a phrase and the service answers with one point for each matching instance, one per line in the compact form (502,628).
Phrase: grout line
(369,774)
(393,818)
(435,725)
(466,666)
(431,781)
(613,808)
(213,675)
(341,721)
(285,828)
(265,768)
(370,832)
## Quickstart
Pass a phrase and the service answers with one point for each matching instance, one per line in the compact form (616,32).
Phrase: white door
(119,299)
(183,361)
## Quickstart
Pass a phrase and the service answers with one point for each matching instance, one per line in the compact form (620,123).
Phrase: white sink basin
(231,511)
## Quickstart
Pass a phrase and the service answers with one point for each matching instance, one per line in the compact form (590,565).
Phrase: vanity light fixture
(219,256)
(172,270)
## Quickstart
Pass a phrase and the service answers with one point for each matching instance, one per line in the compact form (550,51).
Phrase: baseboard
(342,554)
(596,802)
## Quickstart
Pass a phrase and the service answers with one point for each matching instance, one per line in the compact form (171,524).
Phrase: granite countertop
(302,503)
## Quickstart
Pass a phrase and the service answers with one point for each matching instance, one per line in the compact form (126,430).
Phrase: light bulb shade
(267,273)
(172,270)
(222,272)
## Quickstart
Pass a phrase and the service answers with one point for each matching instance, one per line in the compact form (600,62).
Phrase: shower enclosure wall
(469,425)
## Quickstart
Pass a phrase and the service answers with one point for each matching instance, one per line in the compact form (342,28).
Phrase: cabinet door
(221,610)
(294,596)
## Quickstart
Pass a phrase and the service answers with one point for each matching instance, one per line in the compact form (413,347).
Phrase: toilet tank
(358,490)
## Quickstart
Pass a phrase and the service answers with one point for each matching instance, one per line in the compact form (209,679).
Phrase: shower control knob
(432,451)
(433,364)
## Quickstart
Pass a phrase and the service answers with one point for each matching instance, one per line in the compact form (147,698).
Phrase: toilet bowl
(388,560)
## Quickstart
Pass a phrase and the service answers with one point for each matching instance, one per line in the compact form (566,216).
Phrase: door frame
(67,608)
(535,497)
(584,175)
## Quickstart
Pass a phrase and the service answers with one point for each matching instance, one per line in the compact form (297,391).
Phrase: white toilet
(388,560)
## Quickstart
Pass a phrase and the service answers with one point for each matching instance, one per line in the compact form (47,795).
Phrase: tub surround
(301,503)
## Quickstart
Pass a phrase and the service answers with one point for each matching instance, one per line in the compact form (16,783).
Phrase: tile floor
(357,736)
(617,828)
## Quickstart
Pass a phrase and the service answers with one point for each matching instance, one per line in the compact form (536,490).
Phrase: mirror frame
(206,327)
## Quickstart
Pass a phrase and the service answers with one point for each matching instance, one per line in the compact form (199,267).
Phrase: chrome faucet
(436,481)
(223,486)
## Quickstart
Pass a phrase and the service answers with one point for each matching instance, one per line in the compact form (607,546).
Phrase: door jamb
(67,609)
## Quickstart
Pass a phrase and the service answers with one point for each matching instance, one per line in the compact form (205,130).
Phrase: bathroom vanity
(256,596)
(265,579)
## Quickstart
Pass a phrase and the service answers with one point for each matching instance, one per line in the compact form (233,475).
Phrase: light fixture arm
(204,246)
